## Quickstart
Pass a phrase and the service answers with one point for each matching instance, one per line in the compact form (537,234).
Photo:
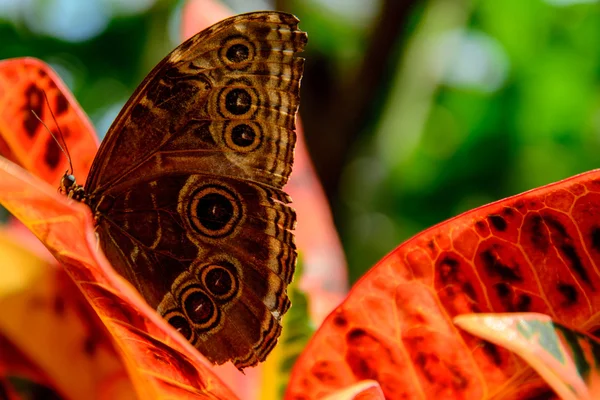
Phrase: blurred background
(414,110)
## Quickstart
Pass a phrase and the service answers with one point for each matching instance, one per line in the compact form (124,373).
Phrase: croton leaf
(27,88)
(535,252)
(48,333)
(568,360)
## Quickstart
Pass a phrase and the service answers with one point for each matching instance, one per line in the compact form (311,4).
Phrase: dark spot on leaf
(449,268)
(537,231)
(89,346)
(366,355)
(469,291)
(502,289)
(355,335)
(422,360)
(565,244)
(556,225)
(570,252)
(459,381)
(508,211)
(523,303)
(492,351)
(494,267)
(498,222)
(62,105)
(569,292)
(35,97)
(480,227)
(595,235)
(431,245)
(323,371)
(360,367)
(59,305)
(52,153)
(340,320)
(519,205)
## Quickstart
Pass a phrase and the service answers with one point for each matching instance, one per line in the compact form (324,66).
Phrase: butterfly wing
(227,96)
(186,187)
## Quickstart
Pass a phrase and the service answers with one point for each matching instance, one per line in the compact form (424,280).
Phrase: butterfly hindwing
(239,259)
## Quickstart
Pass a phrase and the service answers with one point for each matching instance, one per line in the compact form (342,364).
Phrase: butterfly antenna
(64,146)
(55,139)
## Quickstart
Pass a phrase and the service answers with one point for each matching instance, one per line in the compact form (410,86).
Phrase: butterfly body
(186,187)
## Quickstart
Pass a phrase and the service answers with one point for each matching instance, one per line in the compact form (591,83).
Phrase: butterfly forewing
(219,99)
(186,187)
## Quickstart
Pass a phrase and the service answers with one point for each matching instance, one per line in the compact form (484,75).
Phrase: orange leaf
(566,359)
(536,252)
(48,332)
(24,85)
(160,362)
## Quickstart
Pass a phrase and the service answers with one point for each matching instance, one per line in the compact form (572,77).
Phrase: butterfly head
(70,188)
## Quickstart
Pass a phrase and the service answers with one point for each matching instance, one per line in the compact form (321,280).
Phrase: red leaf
(567,359)
(536,252)
(24,139)
(48,332)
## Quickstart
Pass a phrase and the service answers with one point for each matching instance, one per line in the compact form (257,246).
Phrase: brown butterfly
(186,187)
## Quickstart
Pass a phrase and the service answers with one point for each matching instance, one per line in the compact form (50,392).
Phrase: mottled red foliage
(29,86)
(535,252)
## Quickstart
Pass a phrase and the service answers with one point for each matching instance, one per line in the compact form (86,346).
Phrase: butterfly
(186,188)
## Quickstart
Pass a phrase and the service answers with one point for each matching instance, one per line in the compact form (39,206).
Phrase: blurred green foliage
(504,98)
(480,99)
